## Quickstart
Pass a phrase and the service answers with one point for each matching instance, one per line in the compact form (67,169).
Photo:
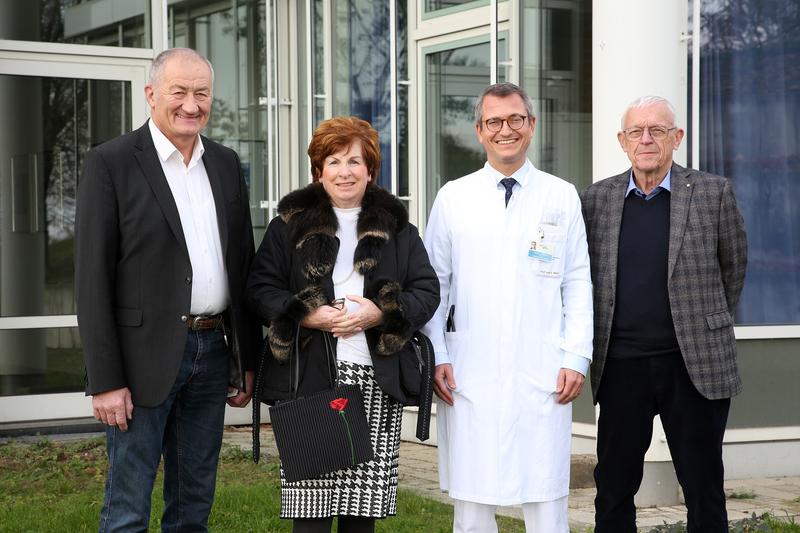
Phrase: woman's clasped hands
(341,322)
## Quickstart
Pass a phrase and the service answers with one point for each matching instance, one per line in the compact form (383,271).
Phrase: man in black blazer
(668,254)
(163,245)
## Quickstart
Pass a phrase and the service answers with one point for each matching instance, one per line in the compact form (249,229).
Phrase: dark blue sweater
(642,325)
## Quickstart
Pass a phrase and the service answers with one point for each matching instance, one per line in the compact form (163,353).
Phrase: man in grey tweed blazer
(668,254)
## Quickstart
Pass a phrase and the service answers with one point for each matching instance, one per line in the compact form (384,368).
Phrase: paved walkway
(418,472)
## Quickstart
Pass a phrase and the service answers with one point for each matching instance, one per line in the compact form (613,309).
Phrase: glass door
(455,73)
(556,71)
(54,111)
(456,50)
(233,35)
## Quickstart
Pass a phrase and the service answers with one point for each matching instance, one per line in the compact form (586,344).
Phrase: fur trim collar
(311,222)
(311,226)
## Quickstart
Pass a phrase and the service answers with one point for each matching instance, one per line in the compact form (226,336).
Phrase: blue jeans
(187,429)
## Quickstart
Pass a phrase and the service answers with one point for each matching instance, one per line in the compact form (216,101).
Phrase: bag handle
(256,399)
(330,359)
(424,348)
(295,354)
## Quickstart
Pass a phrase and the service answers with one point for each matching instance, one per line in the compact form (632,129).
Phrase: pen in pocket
(451,323)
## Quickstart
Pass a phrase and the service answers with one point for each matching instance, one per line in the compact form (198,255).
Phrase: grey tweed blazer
(707,260)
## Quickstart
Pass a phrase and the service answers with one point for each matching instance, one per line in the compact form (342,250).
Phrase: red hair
(339,133)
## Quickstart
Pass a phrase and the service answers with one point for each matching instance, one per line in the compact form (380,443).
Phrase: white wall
(638,49)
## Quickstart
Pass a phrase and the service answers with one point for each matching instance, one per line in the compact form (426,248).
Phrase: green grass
(742,495)
(46,487)
(58,487)
(763,523)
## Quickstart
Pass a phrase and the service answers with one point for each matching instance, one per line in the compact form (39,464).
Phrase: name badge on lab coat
(541,252)
(545,250)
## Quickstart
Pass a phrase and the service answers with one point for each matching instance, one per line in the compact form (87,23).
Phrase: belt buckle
(199,322)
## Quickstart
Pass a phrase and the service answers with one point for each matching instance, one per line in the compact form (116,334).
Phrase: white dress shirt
(191,191)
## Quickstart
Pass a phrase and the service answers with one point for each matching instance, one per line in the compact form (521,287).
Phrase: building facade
(72,74)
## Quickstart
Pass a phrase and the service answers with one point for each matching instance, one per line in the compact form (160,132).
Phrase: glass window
(448,6)
(750,133)
(557,74)
(232,35)
(454,78)
(40,361)
(42,143)
(318,47)
(361,75)
(402,97)
(96,22)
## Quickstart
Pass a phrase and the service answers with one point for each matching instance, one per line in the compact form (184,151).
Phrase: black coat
(132,270)
(291,276)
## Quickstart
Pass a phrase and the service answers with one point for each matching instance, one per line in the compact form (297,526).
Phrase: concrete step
(51,427)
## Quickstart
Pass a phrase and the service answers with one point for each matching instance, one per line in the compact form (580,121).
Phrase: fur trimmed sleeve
(280,332)
(396,329)
(268,295)
(407,304)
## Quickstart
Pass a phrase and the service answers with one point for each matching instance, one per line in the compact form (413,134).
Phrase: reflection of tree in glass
(738,24)
(764,37)
(749,102)
(222,124)
(63,102)
(461,74)
(64,126)
(52,24)
(458,117)
(236,116)
(363,34)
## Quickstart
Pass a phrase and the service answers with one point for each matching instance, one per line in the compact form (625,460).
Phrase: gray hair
(161,59)
(645,101)
(502,90)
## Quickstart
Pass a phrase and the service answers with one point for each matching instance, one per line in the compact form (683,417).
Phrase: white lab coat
(520,283)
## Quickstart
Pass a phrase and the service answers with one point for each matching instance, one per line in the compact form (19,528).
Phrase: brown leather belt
(203,322)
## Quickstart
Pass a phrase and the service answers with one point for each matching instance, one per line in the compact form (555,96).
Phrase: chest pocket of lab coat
(546,250)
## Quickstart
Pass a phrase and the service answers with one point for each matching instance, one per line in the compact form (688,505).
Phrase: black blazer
(132,270)
(291,276)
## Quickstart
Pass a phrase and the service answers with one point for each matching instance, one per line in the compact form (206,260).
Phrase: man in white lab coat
(513,333)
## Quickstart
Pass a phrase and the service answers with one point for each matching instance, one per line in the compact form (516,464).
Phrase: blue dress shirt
(664,185)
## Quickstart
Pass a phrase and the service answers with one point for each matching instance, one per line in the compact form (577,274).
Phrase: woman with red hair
(342,260)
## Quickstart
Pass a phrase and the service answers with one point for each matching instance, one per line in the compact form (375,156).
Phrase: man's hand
(444,382)
(243,398)
(113,407)
(569,385)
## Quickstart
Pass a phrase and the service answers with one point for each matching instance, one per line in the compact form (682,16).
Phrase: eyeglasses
(514,122)
(658,133)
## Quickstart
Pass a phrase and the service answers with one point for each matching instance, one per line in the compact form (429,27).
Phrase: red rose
(339,404)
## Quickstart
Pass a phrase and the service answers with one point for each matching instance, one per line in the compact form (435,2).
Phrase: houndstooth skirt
(368,489)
